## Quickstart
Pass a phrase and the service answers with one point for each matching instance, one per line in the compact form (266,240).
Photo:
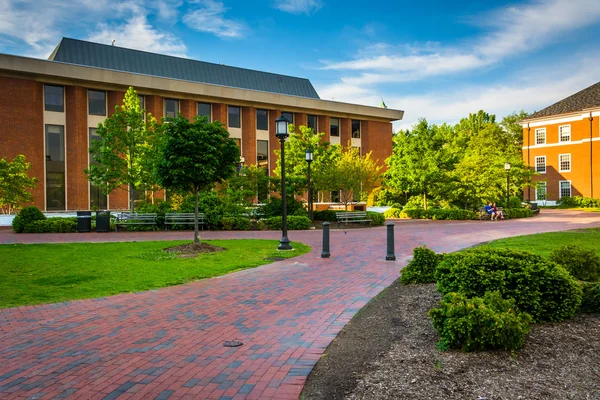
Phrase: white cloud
(209,16)
(167,10)
(298,6)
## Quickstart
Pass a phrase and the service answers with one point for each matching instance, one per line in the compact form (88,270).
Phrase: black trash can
(84,221)
(102,221)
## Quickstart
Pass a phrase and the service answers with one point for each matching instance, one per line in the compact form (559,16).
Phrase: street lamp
(281,129)
(507,169)
(309,158)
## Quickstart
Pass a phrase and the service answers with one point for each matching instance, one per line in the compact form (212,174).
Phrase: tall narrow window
(564,133)
(335,196)
(142,100)
(233,117)
(334,127)
(98,200)
(564,163)
(55,167)
(355,129)
(204,110)
(289,116)
(262,120)
(262,153)
(540,136)
(540,191)
(540,164)
(565,188)
(171,108)
(96,102)
(311,122)
(54,99)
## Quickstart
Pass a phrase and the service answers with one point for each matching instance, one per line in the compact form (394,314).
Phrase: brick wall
(376,137)
(219,113)
(76,137)
(323,125)
(249,135)
(187,108)
(345,131)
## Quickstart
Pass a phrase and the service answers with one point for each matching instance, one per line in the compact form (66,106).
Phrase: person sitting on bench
(499,213)
(489,209)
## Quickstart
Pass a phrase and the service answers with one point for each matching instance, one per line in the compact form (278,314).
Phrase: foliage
(377,219)
(578,201)
(26,216)
(210,204)
(392,213)
(325,215)
(519,213)
(475,324)
(383,196)
(274,206)
(421,268)
(590,301)
(159,207)
(541,288)
(582,263)
(15,184)
(235,223)
(195,156)
(240,190)
(438,214)
(293,223)
(52,225)
(514,130)
(416,202)
(127,150)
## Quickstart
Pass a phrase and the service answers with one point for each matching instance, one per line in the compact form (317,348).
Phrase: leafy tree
(15,183)
(194,157)
(511,125)
(126,152)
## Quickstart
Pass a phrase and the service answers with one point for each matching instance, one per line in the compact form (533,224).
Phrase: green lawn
(544,243)
(48,273)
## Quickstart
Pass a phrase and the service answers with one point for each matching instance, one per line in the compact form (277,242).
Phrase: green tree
(126,152)
(511,125)
(194,157)
(15,184)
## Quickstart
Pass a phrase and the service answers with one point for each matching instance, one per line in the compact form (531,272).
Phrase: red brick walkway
(168,343)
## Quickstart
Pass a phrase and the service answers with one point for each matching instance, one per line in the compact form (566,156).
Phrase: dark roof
(589,97)
(116,58)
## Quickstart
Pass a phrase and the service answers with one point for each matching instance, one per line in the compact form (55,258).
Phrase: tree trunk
(196,238)
(131,203)
(425,200)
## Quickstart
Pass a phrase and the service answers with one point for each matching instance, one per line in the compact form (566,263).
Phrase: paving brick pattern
(168,343)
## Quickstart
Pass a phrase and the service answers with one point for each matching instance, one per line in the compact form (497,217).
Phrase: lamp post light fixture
(281,131)
(309,158)
(507,169)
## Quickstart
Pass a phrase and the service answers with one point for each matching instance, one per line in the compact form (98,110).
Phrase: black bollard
(325,253)
(390,242)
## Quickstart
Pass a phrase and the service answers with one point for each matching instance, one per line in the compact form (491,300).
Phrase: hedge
(519,213)
(583,264)
(422,267)
(438,214)
(377,219)
(293,223)
(590,302)
(235,223)
(393,213)
(52,225)
(25,217)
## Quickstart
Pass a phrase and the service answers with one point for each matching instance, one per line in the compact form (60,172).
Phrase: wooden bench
(183,219)
(135,219)
(350,217)
(484,215)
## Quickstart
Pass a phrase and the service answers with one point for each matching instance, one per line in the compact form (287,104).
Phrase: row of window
(564,134)
(564,163)
(564,190)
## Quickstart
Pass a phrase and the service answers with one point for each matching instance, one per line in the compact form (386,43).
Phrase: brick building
(49,110)
(562,143)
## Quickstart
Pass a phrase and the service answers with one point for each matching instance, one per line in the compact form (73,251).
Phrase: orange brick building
(49,110)
(562,143)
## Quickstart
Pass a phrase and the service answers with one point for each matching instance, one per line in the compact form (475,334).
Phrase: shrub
(415,202)
(421,268)
(324,215)
(235,223)
(515,202)
(210,204)
(26,216)
(293,223)
(160,207)
(411,213)
(438,214)
(583,264)
(590,301)
(578,201)
(273,206)
(541,288)
(392,213)
(519,213)
(52,225)
(567,201)
(479,323)
(377,219)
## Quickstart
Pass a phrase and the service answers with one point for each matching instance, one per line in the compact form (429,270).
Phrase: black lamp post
(507,169)
(281,129)
(309,158)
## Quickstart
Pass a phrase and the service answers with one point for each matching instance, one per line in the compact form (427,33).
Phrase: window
(311,122)
(262,153)
(54,99)
(564,163)
(565,188)
(204,110)
(334,127)
(142,100)
(96,102)
(289,116)
(564,133)
(139,195)
(540,164)
(355,129)
(171,108)
(55,167)
(233,117)
(262,120)
(540,191)
(540,136)
(97,199)
(335,196)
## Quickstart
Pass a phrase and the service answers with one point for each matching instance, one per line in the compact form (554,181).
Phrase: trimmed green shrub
(590,302)
(540,287)
(438,214)
(52,225)
(293,223)
(578,201)
(324,215)
(479,323)
(376,218)
(273,206)
(392,213)
(421,268)
(519,213)
(160,207)
(235,223)
(583,264)
(210,204)
(26,216)
(411,213)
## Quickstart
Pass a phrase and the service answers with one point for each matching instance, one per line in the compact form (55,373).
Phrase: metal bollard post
(390,242)
(325,253)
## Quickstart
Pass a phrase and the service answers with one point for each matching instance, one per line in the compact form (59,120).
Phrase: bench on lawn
(135,219)
(350,217)
(183,219)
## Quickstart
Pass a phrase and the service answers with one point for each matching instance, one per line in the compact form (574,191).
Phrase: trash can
(84,221)
(102,221)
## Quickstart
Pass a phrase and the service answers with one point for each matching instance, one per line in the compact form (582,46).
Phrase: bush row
(590,301)
(578,201)
(293,223)
(519,213)
(422,267)
(329,216)
(437,214)
(393,213)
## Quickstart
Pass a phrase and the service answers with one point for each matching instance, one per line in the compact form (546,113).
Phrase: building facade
(562,144)
(49,110)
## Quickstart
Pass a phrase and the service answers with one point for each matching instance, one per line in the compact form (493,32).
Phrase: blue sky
(434,59)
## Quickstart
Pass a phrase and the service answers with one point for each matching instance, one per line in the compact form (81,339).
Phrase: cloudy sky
(434,59)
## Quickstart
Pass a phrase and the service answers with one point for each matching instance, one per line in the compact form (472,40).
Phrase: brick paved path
(168,343)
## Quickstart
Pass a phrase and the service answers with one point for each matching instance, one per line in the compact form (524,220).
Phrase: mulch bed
(193,249)
(388,351)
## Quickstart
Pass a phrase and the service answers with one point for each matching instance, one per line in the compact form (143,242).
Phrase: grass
(48,273)
(544,243)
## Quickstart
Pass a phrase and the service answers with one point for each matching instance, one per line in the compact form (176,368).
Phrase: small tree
(15,184)
(125,153)
(195,156)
